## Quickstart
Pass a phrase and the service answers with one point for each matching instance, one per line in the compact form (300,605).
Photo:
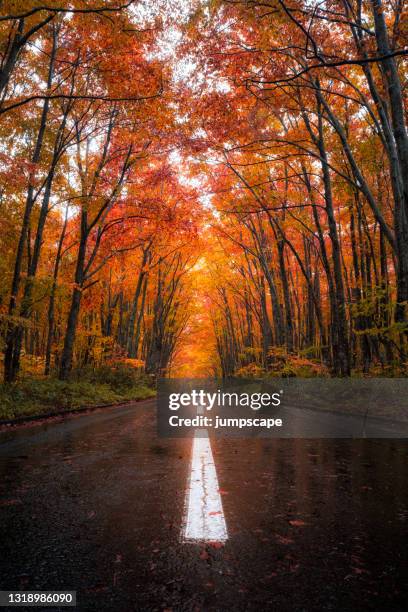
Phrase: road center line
(204,517)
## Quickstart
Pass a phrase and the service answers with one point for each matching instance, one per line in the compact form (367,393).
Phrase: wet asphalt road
(95,504)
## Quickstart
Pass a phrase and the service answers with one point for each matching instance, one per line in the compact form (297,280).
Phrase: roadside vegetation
(109,384)
(281,364)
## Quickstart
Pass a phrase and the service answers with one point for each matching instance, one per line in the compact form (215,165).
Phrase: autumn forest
(203,187)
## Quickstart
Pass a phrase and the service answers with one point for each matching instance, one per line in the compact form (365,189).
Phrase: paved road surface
(96,504)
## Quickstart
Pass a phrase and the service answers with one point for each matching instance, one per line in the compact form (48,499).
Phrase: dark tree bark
(131,348)
(10,372)
(83,271)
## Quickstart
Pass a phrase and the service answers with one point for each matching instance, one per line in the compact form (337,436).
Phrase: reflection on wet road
(96,504)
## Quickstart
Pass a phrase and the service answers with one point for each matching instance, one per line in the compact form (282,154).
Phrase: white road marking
(204,518)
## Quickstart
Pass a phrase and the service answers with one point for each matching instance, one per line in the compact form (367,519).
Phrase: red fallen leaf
(284,540)
(209,585)
(222,492)
(214,513)
(10,502)
(358,570)
(216,544)
(297,523)
(204,555)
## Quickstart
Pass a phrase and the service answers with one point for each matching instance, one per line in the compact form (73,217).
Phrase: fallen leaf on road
(216,545)
(284,540)
(10,502)
(271,575)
